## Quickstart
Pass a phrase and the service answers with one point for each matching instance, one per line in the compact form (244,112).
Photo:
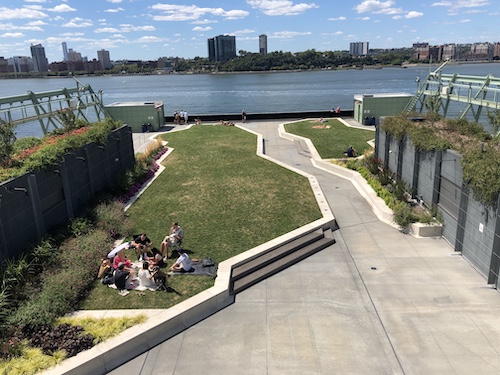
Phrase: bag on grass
(207,262)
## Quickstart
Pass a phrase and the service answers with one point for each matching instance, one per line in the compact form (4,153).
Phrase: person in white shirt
(182,264)
(175,236)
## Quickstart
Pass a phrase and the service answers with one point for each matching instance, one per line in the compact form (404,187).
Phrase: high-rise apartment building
(40,62)
(263,44)
(359,48)
(104,60)
(222,48)
(65,51)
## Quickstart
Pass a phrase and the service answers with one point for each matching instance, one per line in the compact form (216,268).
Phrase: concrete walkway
(376,302)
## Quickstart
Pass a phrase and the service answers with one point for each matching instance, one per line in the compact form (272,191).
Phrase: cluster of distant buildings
(223,48)
(38,62)
(459,52)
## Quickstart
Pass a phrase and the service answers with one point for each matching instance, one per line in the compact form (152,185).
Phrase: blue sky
(144,29)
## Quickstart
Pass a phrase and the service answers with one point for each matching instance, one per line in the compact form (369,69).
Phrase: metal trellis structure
(439,90)
(46,107)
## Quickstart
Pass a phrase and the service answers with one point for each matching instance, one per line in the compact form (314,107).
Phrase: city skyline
(147,30)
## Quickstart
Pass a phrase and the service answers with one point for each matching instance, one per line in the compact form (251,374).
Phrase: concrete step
(265,269)
(275,253)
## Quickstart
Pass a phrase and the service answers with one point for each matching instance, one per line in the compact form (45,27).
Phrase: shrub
(65,287)
(109,217)
(79,226)
(403,214)
(11,344)
(71,339)
(373,164)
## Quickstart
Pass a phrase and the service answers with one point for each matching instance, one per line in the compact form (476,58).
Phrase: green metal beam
(45,106)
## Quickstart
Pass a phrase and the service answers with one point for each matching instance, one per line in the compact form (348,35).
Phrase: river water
(200,94)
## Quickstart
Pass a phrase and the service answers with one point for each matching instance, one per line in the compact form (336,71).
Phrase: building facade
(65,51)
(221,48)
(359,48)
(263,44)
(104,59)
(40,62)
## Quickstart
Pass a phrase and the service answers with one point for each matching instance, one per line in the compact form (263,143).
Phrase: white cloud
(280,7)
(129,28)
(78,22)
(106,30)
(378,7)
(12,35)
(20,13)
(337,19)
(124,29)
(149,39)
(36,23)
(62,8)
(413,14)
(202,29)
(246,31)
(288,34)
(115,1)
(455,6)
(204,22)
(172,12)
(114,10)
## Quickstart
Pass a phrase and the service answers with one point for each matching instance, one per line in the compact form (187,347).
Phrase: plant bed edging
(426,230)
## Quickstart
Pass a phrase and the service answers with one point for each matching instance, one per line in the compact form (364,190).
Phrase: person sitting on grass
(121,279)
(120,257)
(141,243)
(350,152)
(146,278)
(182,264)
(175,236)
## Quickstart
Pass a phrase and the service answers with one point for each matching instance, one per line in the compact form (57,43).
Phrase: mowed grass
(332,142)
(225,197)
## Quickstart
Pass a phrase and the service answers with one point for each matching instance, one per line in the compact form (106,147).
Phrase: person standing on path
(243,116)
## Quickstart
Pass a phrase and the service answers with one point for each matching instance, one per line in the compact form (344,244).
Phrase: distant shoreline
(367,67)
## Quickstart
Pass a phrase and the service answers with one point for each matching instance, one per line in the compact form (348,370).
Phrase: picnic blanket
(198,269)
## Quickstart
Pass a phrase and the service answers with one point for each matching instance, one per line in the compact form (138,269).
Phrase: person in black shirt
(121,278)
(141,243)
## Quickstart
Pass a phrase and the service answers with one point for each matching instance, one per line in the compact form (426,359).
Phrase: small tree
(7,139)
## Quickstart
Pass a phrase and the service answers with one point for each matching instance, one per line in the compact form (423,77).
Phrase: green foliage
(397,126)
(480,168)
(385,175)
(79,226)
(482,171)
(425,139)
(105,328)
(64,288)
(110,218)
(403,214)
(25,143)
(373,164)
(51,150)
(494,121)
(7,139)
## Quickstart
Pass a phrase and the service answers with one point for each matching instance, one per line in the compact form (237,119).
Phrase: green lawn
(333,141)
(225,197)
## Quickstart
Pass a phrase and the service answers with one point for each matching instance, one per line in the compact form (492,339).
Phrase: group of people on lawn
(150,275)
